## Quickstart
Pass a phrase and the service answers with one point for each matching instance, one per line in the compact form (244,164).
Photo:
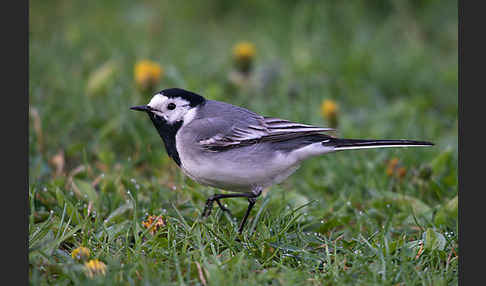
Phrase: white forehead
(159,100)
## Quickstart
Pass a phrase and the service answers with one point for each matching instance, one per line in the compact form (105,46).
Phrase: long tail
(349,144)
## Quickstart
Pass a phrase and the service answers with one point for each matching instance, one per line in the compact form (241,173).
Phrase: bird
(231,148)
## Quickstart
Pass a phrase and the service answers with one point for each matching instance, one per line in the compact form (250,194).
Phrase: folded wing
(263,129)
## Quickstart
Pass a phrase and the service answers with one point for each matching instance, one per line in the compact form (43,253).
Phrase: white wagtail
(235,149)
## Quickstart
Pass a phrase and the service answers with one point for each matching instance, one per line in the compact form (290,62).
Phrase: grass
(98,170)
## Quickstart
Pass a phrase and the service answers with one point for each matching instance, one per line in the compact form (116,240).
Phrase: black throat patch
(168,134)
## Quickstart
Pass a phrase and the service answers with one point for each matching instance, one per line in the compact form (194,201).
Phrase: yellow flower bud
(330,111)
(147,75)
(243,55)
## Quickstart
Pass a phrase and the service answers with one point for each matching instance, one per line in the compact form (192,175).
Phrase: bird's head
(173,106)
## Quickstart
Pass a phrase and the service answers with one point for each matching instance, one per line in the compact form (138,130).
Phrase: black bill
(141,108)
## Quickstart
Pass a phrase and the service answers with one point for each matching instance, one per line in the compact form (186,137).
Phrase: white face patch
(161,105)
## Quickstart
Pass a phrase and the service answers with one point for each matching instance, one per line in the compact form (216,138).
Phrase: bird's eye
(171,106)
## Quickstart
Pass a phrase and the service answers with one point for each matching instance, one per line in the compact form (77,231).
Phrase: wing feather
(267,129)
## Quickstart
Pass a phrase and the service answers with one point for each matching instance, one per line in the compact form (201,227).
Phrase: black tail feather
(347,144)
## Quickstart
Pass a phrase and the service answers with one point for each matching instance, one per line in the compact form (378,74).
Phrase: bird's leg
(208,207)
(223,208)
(255,193)
(215,198)
(252,196)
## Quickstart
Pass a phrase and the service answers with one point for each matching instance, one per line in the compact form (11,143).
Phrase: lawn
(99,173)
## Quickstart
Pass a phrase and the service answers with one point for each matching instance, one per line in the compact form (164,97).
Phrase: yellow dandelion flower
(243,54)
(329,108)
(94,267)
(330,111)
(147,75)
(80,253)
(159,223)
(244,50)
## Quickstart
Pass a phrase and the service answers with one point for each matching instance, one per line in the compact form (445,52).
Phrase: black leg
(251,203)
(215,198)
(223,208)
(252,196)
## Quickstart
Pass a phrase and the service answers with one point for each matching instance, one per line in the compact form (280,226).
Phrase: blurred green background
(390,67)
